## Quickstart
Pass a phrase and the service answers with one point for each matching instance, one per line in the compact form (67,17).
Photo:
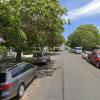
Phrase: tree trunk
(18,56)
(40,48)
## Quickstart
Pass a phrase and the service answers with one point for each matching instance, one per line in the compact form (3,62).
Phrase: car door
(92,56)
(25,75)
(31,71)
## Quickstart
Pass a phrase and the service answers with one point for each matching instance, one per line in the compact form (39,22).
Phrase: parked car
(41,57)
(66,48)
(78,50)
(95,58)
(57,48)
(14,77)
(85,54)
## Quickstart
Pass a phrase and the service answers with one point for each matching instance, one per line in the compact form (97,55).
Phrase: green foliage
(85,35)
(2,49)
(24,23)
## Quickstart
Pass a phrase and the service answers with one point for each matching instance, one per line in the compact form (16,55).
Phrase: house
(7,55)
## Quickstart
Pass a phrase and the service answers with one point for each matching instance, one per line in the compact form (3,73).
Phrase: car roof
(9,66)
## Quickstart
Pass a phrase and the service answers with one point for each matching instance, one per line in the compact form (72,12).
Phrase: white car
(78,50)
(85,54)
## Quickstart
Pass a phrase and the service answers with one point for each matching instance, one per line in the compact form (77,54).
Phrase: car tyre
(97,64)
(21,90)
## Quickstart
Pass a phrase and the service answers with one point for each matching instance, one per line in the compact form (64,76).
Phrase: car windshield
(78,48)
(38,55)
(98,54)
(88,52)
(2,77)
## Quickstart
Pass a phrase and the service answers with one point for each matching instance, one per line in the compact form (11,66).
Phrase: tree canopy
(24,23)
(85,35)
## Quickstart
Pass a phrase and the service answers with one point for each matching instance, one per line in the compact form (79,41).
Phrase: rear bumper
(6,95)
(38,61)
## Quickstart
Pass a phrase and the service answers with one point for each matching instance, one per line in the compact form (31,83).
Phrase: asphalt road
(81,79)
(66,77)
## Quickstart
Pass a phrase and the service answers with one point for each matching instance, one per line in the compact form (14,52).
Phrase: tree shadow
(54,54)
(94,65)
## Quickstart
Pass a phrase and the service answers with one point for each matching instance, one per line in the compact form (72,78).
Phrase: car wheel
(82,56)
(89,60)
(46,62)
(37,73)
(21,90)
(97,64)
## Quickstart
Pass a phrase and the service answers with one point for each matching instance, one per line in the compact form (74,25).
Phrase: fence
(7,55)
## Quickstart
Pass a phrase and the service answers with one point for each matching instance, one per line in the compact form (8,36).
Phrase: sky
(81,12)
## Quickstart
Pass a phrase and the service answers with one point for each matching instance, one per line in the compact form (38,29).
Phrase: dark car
(14,77)
(66,48)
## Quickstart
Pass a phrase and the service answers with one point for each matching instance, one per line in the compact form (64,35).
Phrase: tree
(11,29)
(85,35)
(24,23)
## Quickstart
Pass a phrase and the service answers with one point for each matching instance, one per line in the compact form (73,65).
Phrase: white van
(78,49)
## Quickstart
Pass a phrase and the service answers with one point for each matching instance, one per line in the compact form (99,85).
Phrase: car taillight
(6,86)
(43,58)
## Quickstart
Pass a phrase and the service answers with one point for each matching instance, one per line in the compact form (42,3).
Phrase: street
(66,77)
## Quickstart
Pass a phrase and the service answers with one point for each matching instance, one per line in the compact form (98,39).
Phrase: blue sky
(81,12)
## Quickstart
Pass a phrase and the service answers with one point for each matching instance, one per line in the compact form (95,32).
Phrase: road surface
(66,77)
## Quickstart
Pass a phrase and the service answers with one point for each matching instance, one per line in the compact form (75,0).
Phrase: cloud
(88,10)
(98,28)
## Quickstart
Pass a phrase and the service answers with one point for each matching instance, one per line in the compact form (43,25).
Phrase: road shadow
(71,51)
(47,70)
(94,65)
(54,54)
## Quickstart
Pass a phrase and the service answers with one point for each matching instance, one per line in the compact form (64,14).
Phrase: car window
(45,54)
(88,52)
(2,77)
(78,48)
(23,68)
(39,54)
(28,66)
(98,54)
(15,72)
